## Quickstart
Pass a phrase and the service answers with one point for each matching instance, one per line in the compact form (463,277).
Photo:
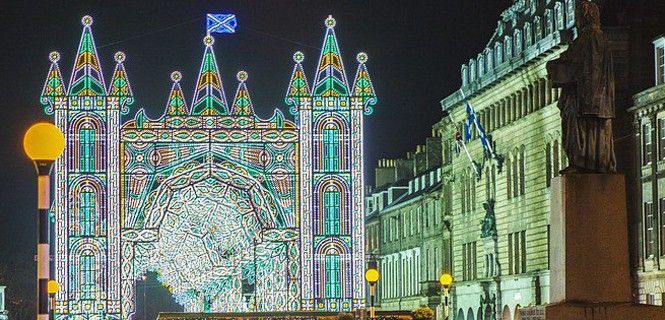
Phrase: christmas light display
(233,212)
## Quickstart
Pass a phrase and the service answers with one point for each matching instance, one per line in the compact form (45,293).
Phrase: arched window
(465,75)
(518,41)
(508,47)
(331,205)
(331,148)
(537,29)
(489,58)
(87,211)
(570,13)
(472,71)
(527,35)
(548,22)
(88,268)
(87,149)
(333,281)
(498,53)
(558,14)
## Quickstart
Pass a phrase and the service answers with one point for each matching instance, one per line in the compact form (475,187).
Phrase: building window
(88,212)
(472,71)
(498,53)
(570,13)
(87,149)
(88,276)
(661,139)
(489,58)
(558,13)
(332,204)
(517,252)
(548,22)
(659,46)
(469,261)
(465,75)
(333,287)
(527,35)
(648,229)
(518,41)
(646,144)
(508,46)
(548,165)
(537,29)
(331,149)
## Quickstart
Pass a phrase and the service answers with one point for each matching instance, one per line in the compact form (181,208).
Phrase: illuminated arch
(322,190)
(87,277)
(332,263)
(332,148)
(87,206)
(87,149)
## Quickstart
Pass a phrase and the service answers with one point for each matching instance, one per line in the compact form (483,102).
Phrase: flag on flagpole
(221,23)
(471,122)
(458,141)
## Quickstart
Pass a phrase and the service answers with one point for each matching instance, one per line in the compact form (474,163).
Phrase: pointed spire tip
(242,76)
(362,57)
(54,56)
(330,21)
(208,40)
(86,20)
(176,76)
(298,57)
(119,57)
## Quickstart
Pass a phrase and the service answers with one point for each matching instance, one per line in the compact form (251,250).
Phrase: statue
(584,74)
(488,225)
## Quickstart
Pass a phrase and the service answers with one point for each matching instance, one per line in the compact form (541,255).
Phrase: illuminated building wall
(136,196)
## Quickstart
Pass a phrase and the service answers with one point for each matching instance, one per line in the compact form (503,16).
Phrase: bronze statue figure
(585,75)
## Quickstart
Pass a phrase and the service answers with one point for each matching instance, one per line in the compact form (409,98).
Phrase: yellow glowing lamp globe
(372,275)
(43,141)
(446,280)
(53,287)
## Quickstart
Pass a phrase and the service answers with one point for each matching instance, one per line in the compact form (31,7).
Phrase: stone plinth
(589,239)
(589,266)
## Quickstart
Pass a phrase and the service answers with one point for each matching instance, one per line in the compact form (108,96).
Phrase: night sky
(415,49)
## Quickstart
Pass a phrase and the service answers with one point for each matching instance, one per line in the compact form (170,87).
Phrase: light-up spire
(54,86)
(119,86)
(362,85)
(298,86)
(176,105)
(209,98)
(330,78)
(242,103)
(87,78)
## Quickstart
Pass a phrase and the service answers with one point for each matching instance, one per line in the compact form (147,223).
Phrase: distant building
(3,310)
(649,113)
(404,228)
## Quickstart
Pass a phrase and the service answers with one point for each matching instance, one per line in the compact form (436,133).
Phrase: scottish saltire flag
(470,123)
(221,23)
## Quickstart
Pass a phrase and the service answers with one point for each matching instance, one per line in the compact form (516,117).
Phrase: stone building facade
(501,208)
(404,228)
(649,113)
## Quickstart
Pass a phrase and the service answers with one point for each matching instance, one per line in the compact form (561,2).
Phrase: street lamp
(446,281)
(53,288)
(372,276)
(43,143)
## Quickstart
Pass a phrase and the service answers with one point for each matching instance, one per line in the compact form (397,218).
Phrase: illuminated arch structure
(232,211)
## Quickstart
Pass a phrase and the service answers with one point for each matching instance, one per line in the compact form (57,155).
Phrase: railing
(283,315)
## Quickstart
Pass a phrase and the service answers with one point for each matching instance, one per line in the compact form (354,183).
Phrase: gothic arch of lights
(233,212)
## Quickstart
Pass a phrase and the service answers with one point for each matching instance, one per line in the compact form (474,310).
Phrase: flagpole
(475,121)
(468,155)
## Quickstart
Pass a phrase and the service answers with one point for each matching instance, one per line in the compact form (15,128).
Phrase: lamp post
(446,281)
(372,276)
(53,288)
(43,143)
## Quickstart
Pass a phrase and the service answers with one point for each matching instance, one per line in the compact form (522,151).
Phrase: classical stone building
(649,113)
(501,207)
(405,226)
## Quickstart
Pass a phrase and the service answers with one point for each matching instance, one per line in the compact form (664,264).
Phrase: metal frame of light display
(233,212)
